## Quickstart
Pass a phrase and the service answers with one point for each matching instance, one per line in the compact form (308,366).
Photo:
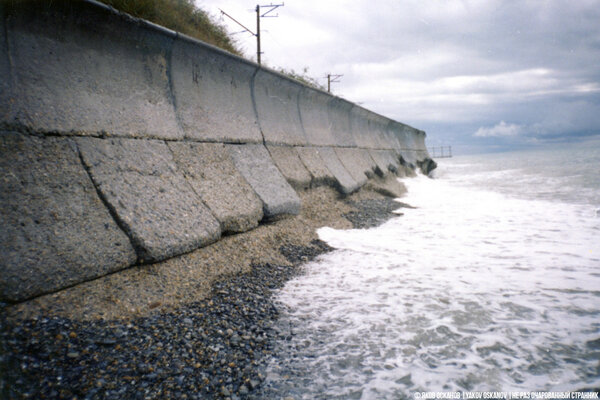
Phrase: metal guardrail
(440,152)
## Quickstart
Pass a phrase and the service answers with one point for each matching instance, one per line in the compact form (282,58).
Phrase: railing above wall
(440,152)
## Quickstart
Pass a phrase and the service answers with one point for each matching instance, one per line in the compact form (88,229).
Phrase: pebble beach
(207,341)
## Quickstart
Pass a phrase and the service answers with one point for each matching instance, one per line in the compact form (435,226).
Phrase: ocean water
(491,283)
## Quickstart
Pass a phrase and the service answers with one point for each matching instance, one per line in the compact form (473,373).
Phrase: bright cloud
(499,130)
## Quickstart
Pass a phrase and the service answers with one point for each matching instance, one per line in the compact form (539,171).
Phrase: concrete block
(344,181)
(388,186)
(339,118)
(358,162)
(419,140)
(254,163)
(394,160)
(385,160)
(427,165)
(158,209)
(369,129)
(276,99)
(210,171)
(381,166)
(56,231)
(360,123)
(404,142)
(288,161)
(392,134)
(320,174)
(82,68)
(314,112)
(213,93)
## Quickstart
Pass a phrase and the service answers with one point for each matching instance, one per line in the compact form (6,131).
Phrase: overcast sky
(477,75)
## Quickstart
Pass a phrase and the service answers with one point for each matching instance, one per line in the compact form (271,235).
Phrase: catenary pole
(258,34)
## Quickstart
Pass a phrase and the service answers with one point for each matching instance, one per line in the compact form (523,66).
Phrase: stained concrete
(311,159)
(344,181)
(153,202)
(56,231)
(82,69)
(353,160)
(276,99)
(314,113)
(212,91)
(384,160)
(288,161)
(255,164)
(209,169)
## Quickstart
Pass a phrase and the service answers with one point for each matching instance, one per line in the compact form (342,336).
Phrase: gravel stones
(214,345)
(153,202)
(55,229)
(255,164)
(373,212)
(210,171)
(214,348)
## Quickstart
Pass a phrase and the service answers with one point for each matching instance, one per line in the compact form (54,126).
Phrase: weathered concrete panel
(288,161)
(381,162)
(151,198)
(357,162)
(255,164)
(379,131)
(81,68)
(394,160)
(276,99)
(339,118)
(314,112)
(387,160)
(360,127)
(212,91)
(320,174)
(388,186)
(405,143)
(209,169)
(56,231)
(419,140)
(368,128)
(344,181)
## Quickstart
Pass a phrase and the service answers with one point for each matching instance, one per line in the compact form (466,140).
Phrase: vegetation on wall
(181,16)
(303,77)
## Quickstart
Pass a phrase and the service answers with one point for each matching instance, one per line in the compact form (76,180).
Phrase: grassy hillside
(181,16)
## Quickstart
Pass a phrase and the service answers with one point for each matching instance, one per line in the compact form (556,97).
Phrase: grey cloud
(452,67)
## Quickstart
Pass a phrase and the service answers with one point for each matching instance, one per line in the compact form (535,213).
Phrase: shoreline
(170,330)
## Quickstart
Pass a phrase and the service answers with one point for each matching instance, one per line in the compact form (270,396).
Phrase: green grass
(181,16)
(303,77)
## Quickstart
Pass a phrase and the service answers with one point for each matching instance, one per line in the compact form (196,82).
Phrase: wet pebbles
(215,348)
(373,212)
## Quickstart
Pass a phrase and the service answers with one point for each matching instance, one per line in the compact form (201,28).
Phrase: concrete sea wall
(123,143)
